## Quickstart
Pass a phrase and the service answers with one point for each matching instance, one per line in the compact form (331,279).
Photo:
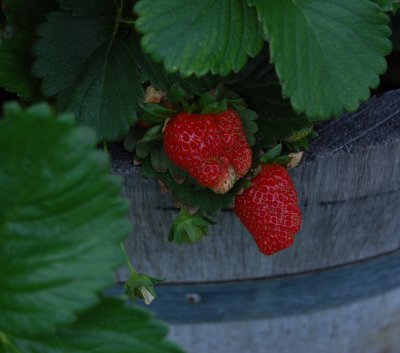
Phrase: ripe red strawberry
(269,209)
(212,148)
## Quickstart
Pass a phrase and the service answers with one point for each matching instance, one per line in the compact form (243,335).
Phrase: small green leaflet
(61,220)
(197,36)
(328,54)
(110,327)
(90,65)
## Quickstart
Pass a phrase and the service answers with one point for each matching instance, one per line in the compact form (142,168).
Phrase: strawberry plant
(214,99)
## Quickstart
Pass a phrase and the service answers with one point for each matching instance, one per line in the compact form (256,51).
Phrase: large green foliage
(90,59)
(61,223)
(61,217)
(90,66)
(110,327)
(15,53)
(197,36)
(327,53)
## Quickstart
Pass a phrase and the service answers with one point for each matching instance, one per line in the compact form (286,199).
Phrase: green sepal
(178,174)
(247,184)
(297,135)
(248,118)
(176,93)
(142,150)
(151,134)
(192,194)
(214,107)
(133,137)
(189,228)
(146,170)
(159,160)
(301,144)
(154,113)
(272,154)
(282,160)
(141,286)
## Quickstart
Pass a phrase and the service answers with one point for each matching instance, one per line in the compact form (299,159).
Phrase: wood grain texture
(349,188)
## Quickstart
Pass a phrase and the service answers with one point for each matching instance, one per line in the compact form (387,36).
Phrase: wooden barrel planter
(337,290)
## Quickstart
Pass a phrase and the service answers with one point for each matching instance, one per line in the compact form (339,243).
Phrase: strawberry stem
(128,260)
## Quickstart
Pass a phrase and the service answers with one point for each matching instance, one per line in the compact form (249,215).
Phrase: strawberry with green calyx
(269,209)
(269,206)
(211,147)
(188,227)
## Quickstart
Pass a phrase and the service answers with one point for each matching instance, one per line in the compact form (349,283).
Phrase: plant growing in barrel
(216,100)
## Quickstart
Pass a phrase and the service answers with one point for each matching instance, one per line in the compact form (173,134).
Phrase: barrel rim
(278,296)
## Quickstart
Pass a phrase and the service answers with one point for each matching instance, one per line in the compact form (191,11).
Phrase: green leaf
(61,220)
(15,66)
(197,36)
(328,54)
(109,327)
(90,65)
